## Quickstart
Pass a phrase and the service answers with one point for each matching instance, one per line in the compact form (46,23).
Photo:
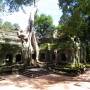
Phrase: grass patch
(87,65)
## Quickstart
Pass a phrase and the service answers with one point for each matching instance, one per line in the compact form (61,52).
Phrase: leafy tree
(7,26)
(76,20)
(16,26)
(14,5)
(75,17)
(60,32)
(44,25)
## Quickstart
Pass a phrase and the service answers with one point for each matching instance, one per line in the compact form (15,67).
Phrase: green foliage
(88,65)
(75,18)
(44,25)
(16,26)
(57,44)
(14,5)
(7,26)
(76,22)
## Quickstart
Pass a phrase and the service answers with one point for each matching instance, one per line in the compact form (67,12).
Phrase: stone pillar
(55,52)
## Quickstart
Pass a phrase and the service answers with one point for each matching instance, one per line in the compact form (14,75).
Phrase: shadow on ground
(41,78)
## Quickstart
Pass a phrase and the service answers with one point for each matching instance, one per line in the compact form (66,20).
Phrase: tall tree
(76,21)
(75,17)
(44,25)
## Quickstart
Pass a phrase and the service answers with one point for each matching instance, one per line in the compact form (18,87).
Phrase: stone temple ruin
(12,44)
(10,47)
(11,51)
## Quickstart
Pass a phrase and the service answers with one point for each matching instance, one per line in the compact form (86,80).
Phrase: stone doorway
(9,59)
(18,58)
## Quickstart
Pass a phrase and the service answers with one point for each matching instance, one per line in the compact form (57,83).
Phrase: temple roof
(9,37)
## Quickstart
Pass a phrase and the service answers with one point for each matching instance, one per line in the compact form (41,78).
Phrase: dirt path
(46,82)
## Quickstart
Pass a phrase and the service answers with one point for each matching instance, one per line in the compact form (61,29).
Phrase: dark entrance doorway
(9,59)
(18,58)
(63,58)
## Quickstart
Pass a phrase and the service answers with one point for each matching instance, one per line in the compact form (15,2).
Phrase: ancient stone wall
(10,47)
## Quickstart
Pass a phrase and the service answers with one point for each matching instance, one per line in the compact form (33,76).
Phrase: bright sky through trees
(48,7)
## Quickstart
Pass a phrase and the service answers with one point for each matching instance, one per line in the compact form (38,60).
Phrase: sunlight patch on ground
(70,86)
(58,86)
(13,87)
(46,82)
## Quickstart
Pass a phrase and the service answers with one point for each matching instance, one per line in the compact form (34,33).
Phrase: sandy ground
(46,82)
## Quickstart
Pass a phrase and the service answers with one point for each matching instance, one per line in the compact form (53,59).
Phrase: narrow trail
(46,82)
